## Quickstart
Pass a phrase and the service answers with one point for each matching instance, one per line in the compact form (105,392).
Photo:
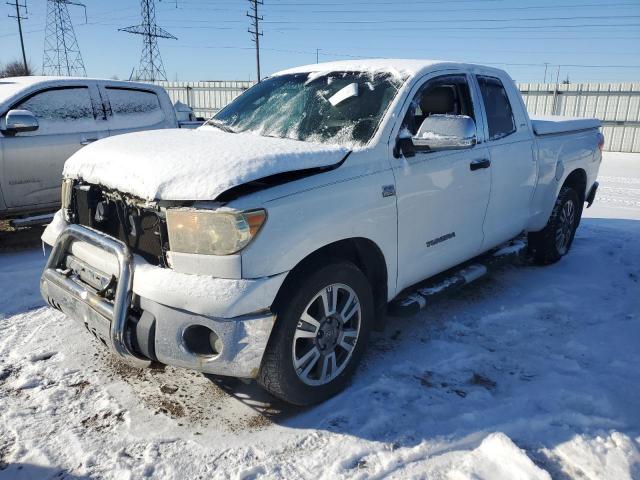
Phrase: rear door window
(135,108)
(496,104)
(61,110)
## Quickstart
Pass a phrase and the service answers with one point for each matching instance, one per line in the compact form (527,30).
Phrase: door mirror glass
(445,132)
(18,121)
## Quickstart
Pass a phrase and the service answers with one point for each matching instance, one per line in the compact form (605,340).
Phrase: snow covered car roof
(397,66)
(13,87)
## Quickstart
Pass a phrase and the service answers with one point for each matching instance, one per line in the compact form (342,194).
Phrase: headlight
(210,232)
(65,200)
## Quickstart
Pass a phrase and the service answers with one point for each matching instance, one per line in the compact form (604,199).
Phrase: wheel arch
(577,180)
(363,252)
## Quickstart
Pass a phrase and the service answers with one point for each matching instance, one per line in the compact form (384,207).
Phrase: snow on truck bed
(546,125)
(193,164)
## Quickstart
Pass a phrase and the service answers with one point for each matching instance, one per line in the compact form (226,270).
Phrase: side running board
(416,298)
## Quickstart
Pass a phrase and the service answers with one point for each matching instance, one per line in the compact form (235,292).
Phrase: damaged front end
(110,270)
(139,224)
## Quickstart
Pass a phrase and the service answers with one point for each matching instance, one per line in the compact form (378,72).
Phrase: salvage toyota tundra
(268,243)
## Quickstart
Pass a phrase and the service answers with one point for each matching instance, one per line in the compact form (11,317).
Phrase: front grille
(141,229)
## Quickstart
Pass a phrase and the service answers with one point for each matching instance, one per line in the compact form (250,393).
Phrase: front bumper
(140,329)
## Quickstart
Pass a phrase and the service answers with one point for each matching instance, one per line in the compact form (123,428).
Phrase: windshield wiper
(221,126)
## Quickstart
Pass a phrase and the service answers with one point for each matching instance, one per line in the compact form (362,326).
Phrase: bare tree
(15,69)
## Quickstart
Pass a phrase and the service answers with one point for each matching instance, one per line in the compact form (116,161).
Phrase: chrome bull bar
(74,298)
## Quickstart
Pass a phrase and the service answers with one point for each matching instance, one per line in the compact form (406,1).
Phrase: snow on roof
(12,87)
(401,67)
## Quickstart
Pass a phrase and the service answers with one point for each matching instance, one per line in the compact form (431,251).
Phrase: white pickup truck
(270,242)
(45,120)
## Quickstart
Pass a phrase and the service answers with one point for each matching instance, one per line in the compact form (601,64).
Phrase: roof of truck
(397,66)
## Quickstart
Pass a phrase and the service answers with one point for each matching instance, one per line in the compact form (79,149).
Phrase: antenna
(151,67)
(19,17)
(61,51)
(255,19)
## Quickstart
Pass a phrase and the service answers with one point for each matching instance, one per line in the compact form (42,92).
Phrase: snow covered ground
(530,374)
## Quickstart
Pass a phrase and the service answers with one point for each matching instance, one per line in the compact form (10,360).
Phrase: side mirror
(17,121)
(445,132)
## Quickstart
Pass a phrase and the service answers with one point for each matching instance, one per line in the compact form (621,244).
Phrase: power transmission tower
(255,19)
(61,51)
(19,17)
(151,67)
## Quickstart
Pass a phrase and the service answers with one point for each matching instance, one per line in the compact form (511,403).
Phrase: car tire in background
(320,334)
(554,241)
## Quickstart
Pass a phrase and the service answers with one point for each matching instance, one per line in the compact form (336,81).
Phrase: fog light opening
(201,341)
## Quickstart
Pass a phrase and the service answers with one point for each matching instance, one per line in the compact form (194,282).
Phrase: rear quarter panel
(558,155)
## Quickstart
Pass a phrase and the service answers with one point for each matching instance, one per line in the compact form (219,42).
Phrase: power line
(502,27)
(421,21)
(151,67)
(19,17)
(346,55)
(414,20)
(61,51)
(255,19)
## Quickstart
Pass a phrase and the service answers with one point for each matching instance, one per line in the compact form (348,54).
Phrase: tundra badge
(388,190)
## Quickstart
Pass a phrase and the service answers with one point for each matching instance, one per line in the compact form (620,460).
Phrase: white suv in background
(45,120)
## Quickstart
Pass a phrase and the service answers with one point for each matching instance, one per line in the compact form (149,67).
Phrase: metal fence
(617,105)
(205,98)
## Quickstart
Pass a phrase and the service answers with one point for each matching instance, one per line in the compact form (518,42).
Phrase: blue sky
(592,40)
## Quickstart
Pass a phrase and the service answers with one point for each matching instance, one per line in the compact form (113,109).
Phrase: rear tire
(312,352)
(554,241)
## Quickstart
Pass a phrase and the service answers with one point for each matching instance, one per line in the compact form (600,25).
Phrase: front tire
(320,334)
(554,241)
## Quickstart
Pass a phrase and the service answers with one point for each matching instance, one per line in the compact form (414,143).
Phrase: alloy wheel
(566,222)
(326,334)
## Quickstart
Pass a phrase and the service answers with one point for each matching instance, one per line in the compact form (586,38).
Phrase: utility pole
(18,16)
(555,92)
(151,67)
(62,55)
(317,57)
(546,65)
(255,19)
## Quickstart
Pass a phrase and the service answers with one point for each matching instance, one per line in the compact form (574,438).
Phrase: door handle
(480,163)
(87,141)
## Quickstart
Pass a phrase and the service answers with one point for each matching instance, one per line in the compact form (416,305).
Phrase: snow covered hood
(192,164)
(546,125)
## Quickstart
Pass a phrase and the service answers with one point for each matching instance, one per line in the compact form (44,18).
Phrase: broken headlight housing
(212,232)
(66,197)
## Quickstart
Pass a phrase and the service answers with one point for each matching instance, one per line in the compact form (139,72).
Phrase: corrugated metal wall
(205,98)
(616,104)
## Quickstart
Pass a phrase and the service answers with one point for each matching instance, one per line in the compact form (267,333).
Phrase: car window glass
(338,107)
(135,108)
(61,110)
(496,104)
(446,95)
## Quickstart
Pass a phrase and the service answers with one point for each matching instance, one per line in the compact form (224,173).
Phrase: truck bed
(550,124)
